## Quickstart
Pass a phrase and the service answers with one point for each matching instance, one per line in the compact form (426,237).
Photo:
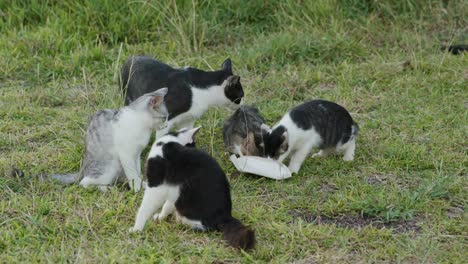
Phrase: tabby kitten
(242,132)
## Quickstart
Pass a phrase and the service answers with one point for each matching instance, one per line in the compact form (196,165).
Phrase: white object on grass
(261,166)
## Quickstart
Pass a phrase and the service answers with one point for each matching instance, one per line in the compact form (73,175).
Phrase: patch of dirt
(326,86)
(235,174)
(455,211)
(358,222)
(328,188)
(376,179)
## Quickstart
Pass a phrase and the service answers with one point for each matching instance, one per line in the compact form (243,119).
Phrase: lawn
(402,199)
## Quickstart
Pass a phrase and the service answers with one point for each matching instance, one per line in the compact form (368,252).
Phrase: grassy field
(403,199)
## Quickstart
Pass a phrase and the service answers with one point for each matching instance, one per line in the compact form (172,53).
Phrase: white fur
(153,199)
(195,224)
(184,137)
(202,99)
(164,195)
(301,142)
(130,135)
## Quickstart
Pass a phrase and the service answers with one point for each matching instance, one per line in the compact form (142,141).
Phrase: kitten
(190,183)
(315,124)
(191,91)
(242,132)
(115,140)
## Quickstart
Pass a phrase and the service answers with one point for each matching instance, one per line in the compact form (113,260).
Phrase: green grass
(60,63)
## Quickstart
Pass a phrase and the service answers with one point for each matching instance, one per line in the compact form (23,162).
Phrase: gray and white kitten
(242,132)
(115,140)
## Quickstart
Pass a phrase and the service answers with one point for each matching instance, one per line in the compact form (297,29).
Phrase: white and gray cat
(315,124)
(242,133)
(115,140)
(191,91)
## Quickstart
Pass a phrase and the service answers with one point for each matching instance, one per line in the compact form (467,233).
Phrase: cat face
(157,107)
(233,89)
(276,141)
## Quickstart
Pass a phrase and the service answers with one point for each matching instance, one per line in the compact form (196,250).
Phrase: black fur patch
(204,190)
(156,171)
(273,141)
(331,121)
(456,49)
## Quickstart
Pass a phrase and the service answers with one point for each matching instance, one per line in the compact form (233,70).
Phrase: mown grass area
(403,199)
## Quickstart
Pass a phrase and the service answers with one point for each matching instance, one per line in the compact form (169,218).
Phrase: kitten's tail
(69,178)
(62,178)
(236,234)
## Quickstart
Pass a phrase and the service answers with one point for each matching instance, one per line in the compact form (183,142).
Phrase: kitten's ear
(265,128)
(188,136)
(233,79)
(157,97)
(227,65)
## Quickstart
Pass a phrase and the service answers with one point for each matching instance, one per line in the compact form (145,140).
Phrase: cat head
(253,145)
(233,88)
(153,103)
(276,141)
(184,136)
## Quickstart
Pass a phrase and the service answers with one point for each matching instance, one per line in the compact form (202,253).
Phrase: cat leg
(284,156)
(169,205)
(153,198)
(194,224)
(323,153)
(167,209)
(298,158)
(348,150)
(131,166)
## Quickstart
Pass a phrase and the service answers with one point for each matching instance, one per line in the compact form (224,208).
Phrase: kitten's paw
(321,153)
(104,188)
(134,230)
(293,169)
(348,158)
(159,217)
(156,216)
(136,186)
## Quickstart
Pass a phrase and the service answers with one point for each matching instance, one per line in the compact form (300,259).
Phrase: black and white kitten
(191,91)
(242,132)
(315,124)
(190,183)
